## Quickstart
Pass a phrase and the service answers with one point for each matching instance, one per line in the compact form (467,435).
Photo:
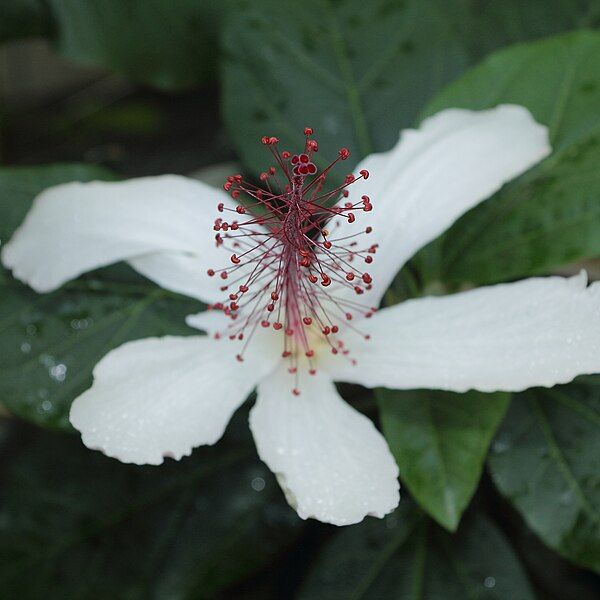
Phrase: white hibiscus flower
(303,305)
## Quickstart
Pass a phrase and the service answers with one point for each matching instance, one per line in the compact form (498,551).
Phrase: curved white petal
(162,397)
(163,225)
(536,332)
(436,173)
(330,460)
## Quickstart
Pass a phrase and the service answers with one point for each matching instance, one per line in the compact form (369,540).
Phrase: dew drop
(258,484)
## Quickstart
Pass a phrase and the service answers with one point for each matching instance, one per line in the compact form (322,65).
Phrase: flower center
(289,269)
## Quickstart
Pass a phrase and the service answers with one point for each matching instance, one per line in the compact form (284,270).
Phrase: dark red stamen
(286,268)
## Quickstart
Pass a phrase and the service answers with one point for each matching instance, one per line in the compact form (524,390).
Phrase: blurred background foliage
(501,494)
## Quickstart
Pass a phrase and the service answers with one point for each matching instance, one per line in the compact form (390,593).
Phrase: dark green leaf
(75,524)
(551,216)
(407,556)
(356,71)
(21,18)
(50,343)
(167,44)
(545,460)
(440,441)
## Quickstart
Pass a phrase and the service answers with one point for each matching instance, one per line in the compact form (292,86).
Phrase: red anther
(235,260)
(240,336)
(227,186)
(289,332)
(367,336)
(368,259)
(312,168)
(345,193)
(312,145)
(225,226)
(296,392)
(365,199)
(220,206)
(233,306)
(273,140)
(334,329)
(350,276)
(233,296)
(296,170)
(351,218)
(240,209)
(325,280)
(308,131)
(349,179)
(367,278)
(274,296)
(368,208)
(264,323)
(238,178)
(326,330)
(277,326)
(305,262)
(368,230)
(263,176)
(292,370)
(312,371)
(364,173)
(359,290)
(265,140)
(348,316)
(235,194)
(224,288)
(224,275)
(304,159)
(344,153)
(348,204)
(312,278)
(272,170)
(307,320)
(303,169)
(372,250)
(210,272)
(285,155)
(270,307)
(239,357)
(286,353)
(334,351)
(295,159)
(309,353)
(243,288)
(235,226)
(327,244)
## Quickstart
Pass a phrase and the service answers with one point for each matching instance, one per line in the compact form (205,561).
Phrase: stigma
(292,268)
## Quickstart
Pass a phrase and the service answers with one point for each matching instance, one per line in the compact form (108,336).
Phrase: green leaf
(50,343)
(75,524)
(170,45)
(407,556)
(545,461)
(440,441)
(358,72)
(551,216)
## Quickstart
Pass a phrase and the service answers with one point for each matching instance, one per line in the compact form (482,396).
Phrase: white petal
(536,332)
(330,460)
(163,224)
(435,174)
(162,397)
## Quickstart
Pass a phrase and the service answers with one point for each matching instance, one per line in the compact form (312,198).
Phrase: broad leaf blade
(440,442)
(88,526)
(545,461)
(359,72)
(407,556)
(551,216)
